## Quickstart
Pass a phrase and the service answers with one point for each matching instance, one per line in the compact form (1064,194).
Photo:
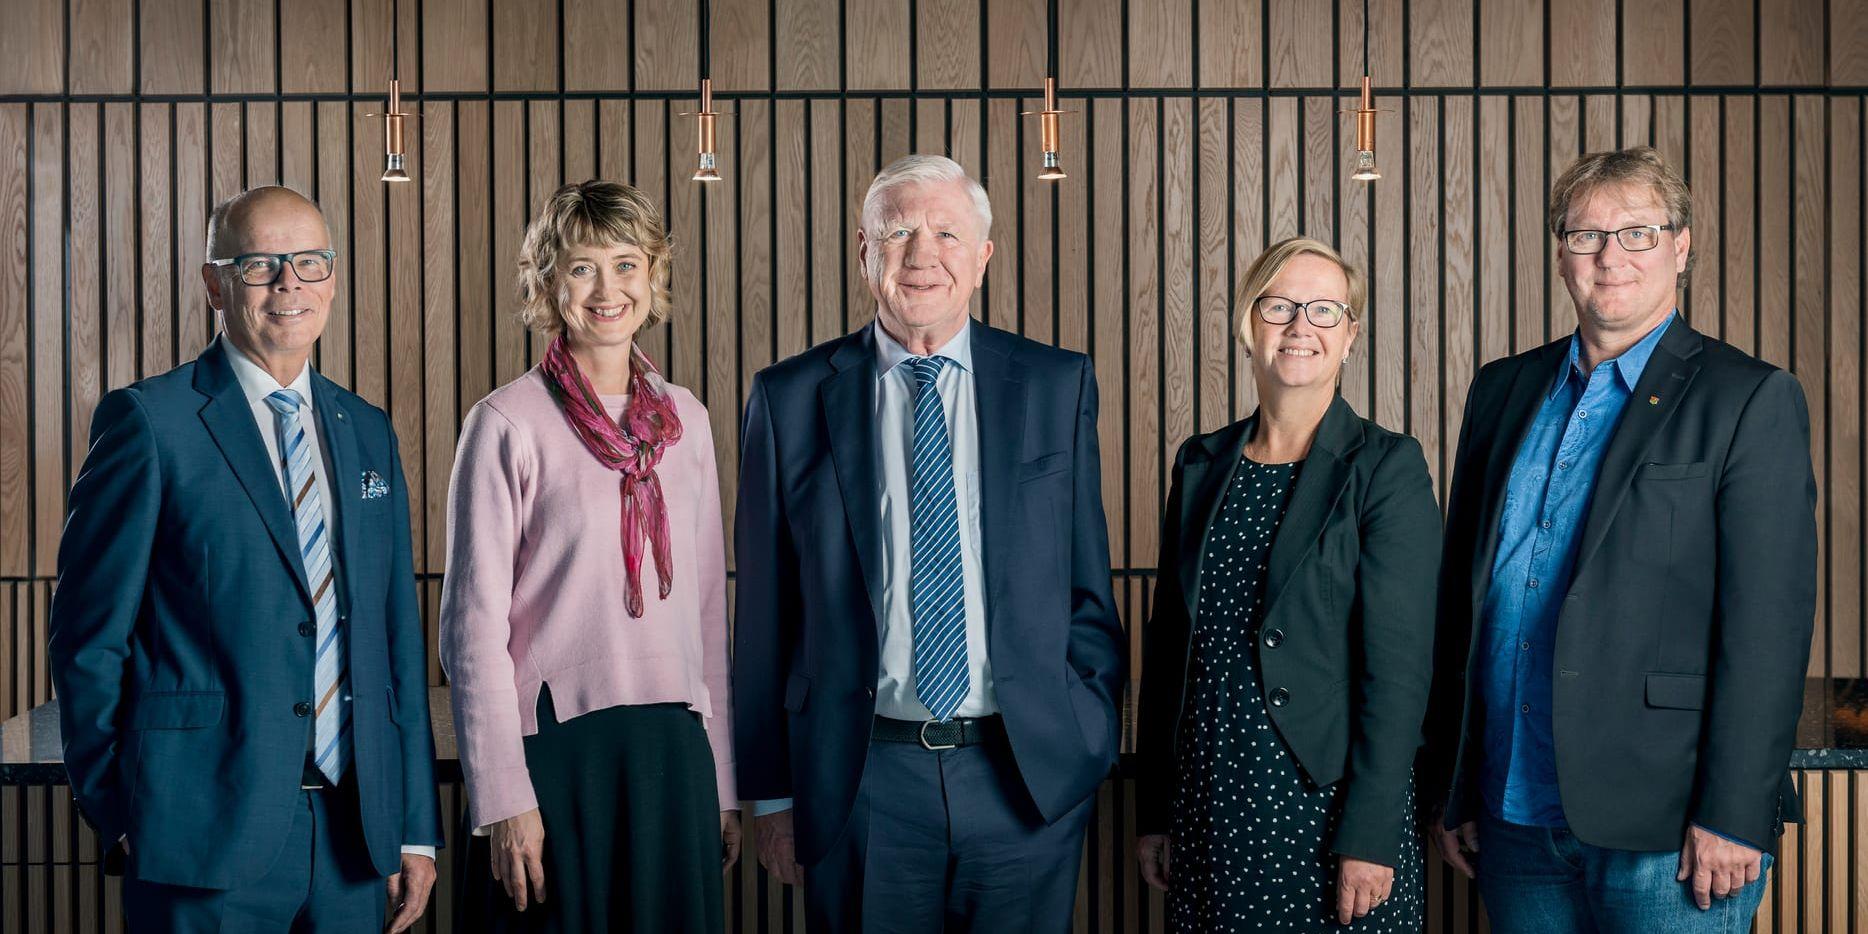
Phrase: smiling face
(276,325)
(924,258)
(604,294)
(1299,354)
(1616,291)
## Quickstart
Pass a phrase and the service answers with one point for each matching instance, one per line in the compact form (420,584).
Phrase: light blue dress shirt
(1552,481)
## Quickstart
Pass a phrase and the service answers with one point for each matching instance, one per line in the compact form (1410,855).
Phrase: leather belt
(936,734)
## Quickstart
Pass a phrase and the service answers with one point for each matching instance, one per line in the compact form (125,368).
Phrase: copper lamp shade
(1050,134)
(1365,170)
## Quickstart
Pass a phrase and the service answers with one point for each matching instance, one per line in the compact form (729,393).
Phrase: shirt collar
(1630,365)
(257,384)
(890,353)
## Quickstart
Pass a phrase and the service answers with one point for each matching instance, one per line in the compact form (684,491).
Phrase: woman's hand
(729,839)
(519,857)
(1360,886)
(1151,850)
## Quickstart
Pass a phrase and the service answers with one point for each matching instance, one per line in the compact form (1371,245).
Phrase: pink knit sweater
(534,590)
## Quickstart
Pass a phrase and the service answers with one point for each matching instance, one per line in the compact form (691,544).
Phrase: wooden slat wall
(1201,131)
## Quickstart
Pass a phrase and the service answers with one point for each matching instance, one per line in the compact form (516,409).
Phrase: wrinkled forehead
(277,225)
(937,204)
(1613,205)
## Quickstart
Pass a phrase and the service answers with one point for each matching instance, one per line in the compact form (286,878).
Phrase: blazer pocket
(1052,463)
(1672,471)
(1676,692)
(796,687)
(178,710)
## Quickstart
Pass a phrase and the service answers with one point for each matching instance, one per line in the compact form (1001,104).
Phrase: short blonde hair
(598,213)
(1265,269)
(1640,165)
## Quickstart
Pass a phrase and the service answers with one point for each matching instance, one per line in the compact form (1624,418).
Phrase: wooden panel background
(1201,131)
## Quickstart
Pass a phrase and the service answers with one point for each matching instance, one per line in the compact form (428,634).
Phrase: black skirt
(632,828)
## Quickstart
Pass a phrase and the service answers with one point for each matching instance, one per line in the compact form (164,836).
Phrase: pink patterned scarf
(631,447)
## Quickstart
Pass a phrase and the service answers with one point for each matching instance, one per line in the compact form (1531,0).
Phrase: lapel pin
(1653,400)
(373,485)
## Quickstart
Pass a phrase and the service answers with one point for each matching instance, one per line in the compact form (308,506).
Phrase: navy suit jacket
(176,649)
(809,602)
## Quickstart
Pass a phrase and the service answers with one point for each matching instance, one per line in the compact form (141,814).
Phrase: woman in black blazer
(1285,670)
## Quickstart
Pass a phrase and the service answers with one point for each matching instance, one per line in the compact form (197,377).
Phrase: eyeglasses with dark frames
(1637,239)
(1323,312)
(265,268)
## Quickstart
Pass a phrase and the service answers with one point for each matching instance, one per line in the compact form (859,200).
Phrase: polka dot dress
(1251,834)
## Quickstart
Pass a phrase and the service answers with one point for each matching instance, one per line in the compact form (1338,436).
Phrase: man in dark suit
(927,656)
(1627,595)
(235,640)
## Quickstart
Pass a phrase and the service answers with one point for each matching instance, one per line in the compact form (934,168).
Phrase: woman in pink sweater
(583,619)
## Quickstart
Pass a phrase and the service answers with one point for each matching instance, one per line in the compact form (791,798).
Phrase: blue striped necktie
(937,588)
(330,752)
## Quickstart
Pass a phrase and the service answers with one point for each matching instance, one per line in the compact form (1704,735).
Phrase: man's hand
(1152,852)
(777,847)
(408,892)
(1360,886)
(1454,845)
(1717,867)
(729,839)
(519,857)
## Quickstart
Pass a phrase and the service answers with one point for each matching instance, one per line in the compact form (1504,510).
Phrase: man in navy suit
(235,641)
(927,655)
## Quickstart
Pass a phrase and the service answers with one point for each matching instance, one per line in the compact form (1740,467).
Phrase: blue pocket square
(373,485)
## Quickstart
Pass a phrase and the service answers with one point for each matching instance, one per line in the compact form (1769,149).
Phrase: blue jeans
(1539,880)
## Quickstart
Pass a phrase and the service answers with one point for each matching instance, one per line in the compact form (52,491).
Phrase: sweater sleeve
(485,498)
(710,571)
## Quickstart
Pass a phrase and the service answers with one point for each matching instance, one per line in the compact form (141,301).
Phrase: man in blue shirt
(1627,595)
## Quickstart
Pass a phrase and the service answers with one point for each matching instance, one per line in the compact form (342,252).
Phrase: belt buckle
(922,735)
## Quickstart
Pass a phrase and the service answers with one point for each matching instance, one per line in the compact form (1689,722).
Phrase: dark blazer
(176,645)
(1346,636)
(1682,642)
(808,621)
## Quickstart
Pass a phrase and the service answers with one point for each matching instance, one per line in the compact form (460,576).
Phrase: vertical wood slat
(594,36)
(46,260)
(429,344)
(16,529)
(32,50)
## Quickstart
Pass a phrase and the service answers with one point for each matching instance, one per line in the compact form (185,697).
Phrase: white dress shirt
(895,437)
(257,384)
(895,434)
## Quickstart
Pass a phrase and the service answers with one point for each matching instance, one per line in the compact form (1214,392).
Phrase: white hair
(920,170)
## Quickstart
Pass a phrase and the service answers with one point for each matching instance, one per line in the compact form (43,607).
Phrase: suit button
(1274,638)
(1280,697)
(306,629)
(343,620)
(870,692)
(302,708)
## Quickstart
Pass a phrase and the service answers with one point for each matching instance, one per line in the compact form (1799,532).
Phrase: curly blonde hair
(590,212)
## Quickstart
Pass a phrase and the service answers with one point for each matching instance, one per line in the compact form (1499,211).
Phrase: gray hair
(919,170)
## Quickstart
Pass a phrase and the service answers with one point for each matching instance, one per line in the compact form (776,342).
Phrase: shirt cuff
(1728,837)
(770,806)
(418,850)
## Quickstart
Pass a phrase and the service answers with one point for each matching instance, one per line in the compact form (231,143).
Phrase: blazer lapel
(1665,380)
(229,420)
(1204,479)
(1320,483)
(999,400)
(1529,387)
(849,400)
(340,437)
